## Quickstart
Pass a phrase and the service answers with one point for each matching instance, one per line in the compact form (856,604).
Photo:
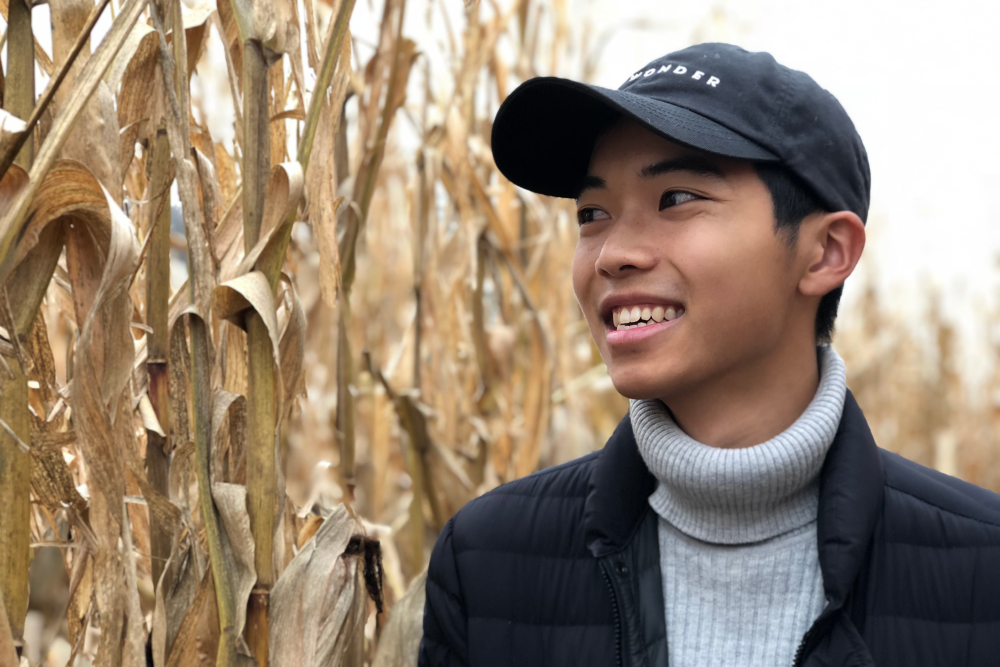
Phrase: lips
(636,333)
(633,317)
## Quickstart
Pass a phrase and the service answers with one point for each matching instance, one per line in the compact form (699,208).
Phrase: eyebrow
(691,164)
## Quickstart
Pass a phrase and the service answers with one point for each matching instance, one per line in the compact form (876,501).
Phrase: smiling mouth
(632,317)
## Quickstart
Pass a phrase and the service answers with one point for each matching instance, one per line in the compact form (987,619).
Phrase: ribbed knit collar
(740,496)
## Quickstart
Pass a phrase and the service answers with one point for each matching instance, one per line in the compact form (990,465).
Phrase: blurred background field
(462,361)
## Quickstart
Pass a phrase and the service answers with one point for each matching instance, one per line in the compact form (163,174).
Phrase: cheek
(585,285)
(739,287)
(583,274)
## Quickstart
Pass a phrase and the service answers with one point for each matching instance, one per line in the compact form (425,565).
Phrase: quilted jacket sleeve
(445,641)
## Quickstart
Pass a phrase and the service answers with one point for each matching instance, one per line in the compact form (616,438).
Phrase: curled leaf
(237,549)
(317,605)
(233,298)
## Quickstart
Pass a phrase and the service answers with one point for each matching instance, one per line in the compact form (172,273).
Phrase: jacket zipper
(800,651)
(801,648)
(617,616)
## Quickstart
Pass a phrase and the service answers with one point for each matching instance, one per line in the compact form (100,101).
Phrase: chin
(644,383)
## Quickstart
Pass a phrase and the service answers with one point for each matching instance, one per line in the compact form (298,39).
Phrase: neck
(751,403)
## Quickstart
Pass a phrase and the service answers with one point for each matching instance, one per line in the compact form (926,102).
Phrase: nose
(625,250)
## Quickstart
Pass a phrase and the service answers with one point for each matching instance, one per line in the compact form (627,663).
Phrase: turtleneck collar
(740,496)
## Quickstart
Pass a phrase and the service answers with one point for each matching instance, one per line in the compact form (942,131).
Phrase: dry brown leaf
(182,649)
(321,184)
(309,529)
(226,176)
(232,299)
(221,403)
(229,409)
(140,102)
(195,17)
(101,255)
(270,22)
(51,481)
(211,199)
(292,350)
(399,642)
(148,415)
(126,54)
(238,552)
(13,181)
(134,643)
(43,365)
(317,603)
(8,654)
(94,137)
(180,374)
(158,624)
(285,187)
(101,252)
(81,592)
(176,591)
(15,216)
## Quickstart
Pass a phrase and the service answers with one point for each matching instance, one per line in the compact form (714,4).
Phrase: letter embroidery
(712,81)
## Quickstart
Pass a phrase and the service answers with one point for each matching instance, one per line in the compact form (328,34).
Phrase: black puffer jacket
(562,568)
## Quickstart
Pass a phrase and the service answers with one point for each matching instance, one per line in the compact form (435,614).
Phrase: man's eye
(675,197)
(585,215)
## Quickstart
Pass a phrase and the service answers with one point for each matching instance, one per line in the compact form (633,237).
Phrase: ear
(831,244)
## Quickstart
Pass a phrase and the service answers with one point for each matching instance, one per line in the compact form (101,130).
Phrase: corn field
(243,388)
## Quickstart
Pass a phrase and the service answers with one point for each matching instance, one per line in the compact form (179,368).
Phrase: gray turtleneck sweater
(737,529)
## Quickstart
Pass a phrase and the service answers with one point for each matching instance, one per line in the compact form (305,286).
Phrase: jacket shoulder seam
(499,491)
(508,489)
(586,458)
(925,501)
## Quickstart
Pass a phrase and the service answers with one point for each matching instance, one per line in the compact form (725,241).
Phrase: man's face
(684,242)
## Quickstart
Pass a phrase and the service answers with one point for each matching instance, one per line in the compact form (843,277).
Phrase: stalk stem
(200,285)
(15,463)
(262,475)
(158,341)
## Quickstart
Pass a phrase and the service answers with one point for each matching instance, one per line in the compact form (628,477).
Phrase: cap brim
(545,130)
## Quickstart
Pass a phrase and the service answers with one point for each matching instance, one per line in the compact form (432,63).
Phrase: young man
(741,514)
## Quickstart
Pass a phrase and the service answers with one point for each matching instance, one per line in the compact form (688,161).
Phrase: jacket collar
(618,494)
(850,498)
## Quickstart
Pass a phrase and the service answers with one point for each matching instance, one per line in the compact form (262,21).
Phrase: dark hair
(794,200)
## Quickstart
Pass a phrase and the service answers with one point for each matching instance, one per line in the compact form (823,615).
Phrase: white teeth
(641,316)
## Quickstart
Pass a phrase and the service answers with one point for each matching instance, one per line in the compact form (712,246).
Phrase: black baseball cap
(718,98)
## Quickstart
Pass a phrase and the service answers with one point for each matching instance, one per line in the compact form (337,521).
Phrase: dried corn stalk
(193,405)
